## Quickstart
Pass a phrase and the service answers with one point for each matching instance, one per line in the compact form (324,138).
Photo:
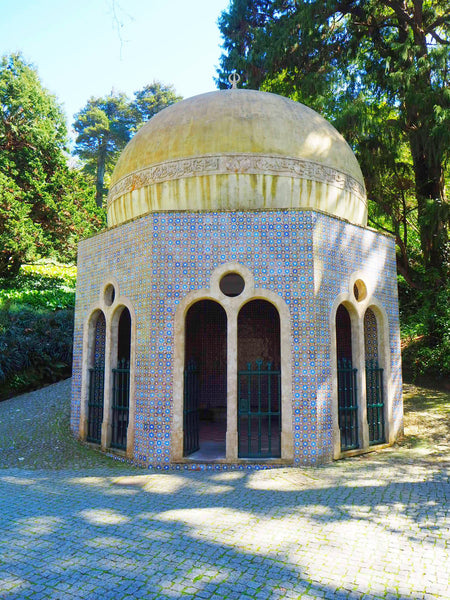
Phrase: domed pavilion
(237,311)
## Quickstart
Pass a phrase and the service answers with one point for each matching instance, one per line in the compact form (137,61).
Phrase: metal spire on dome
(234,78)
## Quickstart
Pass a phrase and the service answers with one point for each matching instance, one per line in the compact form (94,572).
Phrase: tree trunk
(101,166)
(431,204)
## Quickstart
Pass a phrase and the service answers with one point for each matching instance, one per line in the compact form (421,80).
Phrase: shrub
(35,348)
(425,329)
(36,327)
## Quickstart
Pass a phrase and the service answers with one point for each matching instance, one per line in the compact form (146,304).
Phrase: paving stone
(374,529)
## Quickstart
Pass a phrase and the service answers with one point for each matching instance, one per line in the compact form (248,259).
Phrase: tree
(105,125)
(35,181)
(18,234)
(384,56)
(154,98)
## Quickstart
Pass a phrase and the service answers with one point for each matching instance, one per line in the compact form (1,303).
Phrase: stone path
(371,527)
(364,530)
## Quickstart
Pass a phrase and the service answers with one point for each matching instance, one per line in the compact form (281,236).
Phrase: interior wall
(258,334)
(206,345)
(343,334)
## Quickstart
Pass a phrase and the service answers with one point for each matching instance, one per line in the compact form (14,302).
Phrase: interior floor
(212,442)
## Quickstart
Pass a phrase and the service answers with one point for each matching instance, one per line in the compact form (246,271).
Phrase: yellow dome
(237,150)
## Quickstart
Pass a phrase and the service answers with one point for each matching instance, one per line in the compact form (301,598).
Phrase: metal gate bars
(191,441)
(375,402)
(259,415)
(347,405)
(120,404)
(95,403)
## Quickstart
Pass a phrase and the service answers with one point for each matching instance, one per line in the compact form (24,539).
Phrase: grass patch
(427,419)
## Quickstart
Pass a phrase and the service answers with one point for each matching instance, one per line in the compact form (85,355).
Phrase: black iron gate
(120,404)
(348,405)
(95,403)
(259,416)
(375,402)
(191,409)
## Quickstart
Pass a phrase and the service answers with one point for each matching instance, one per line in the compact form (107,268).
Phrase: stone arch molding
(357,310)
(232,306)
(111,309)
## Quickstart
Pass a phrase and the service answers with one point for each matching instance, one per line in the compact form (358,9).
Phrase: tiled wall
(305,257)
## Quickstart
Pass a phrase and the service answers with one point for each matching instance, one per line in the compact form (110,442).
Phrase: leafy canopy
(44,207)
(105,125)
(380,70)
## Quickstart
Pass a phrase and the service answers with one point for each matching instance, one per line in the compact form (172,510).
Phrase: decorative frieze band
(223,164)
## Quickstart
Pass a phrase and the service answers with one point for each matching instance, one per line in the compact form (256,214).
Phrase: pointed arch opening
(374,381)
(259,381)
(205,381)
(96,381)
(347,382)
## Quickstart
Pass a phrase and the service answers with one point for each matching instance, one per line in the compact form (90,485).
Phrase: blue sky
(87,48)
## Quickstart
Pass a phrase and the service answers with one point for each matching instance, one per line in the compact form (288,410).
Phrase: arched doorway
(374,381)
(205,381)
(346,375)
(120,404)
(259,381)
(96,379)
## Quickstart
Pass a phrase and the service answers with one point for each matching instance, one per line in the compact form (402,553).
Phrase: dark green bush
(425,329)
(35,348)
(36,327)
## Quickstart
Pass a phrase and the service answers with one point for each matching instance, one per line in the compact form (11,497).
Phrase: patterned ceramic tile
(306,258)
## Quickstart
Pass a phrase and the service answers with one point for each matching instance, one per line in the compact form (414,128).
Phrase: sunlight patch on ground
(19,480)
(214,488)
(106,542)
(12,584)
(227,476)
(275,479)
(99,482)
(204,520)
(154,484)
(35,526)
(103,516)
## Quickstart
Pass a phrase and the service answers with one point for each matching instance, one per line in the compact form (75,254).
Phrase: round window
(359,290)
(232,284)
(109,294)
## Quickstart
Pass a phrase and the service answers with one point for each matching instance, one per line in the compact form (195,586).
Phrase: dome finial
(234,78)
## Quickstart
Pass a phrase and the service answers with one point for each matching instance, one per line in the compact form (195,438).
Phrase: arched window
(347,389)
(96,380)
(120,404)
(374,380)
(259,381)
(205,381)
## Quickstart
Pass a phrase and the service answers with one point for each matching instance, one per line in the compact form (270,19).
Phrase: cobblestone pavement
(362,529)
(371,527)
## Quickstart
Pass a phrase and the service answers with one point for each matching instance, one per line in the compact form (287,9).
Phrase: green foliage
(36,327)
(152,99)
(44,206)
(19,236)
(425,331)
(35,348)
(72,215)
(105,125)
(40,286)
(379,68)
